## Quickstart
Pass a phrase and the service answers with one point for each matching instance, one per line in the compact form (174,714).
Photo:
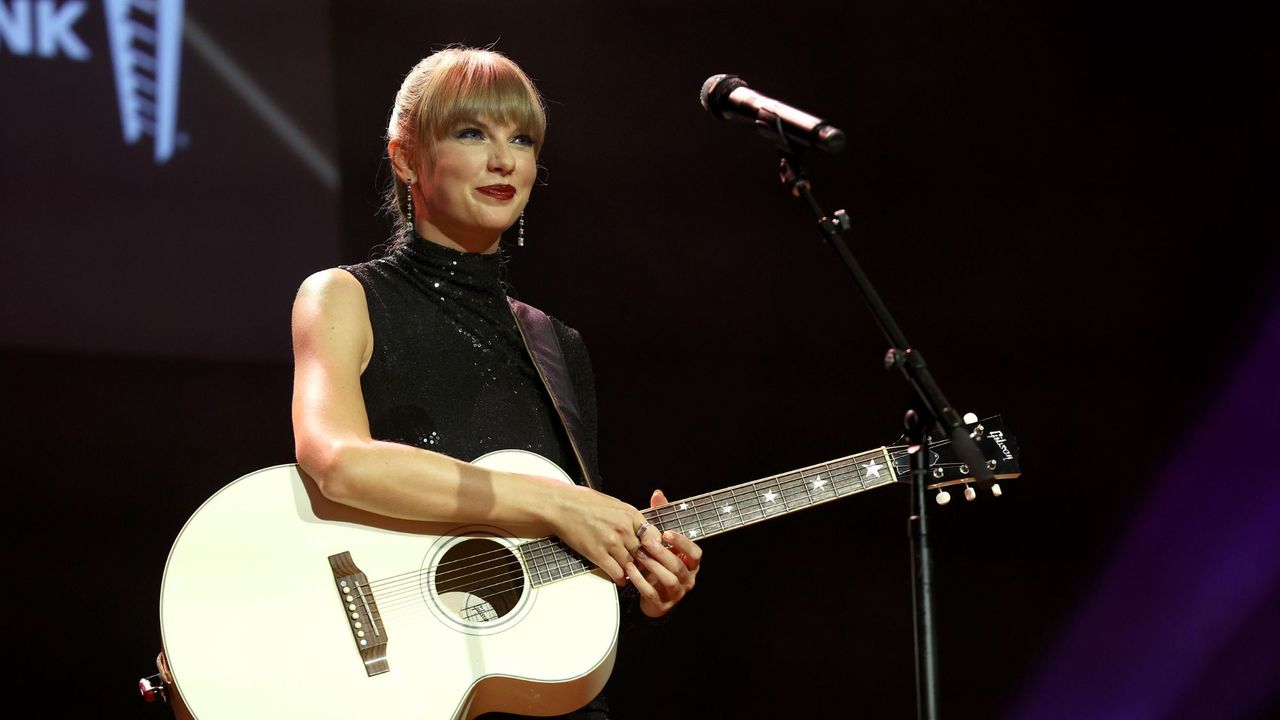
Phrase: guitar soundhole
(478,581)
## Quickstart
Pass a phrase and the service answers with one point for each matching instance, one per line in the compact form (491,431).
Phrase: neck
(474,243)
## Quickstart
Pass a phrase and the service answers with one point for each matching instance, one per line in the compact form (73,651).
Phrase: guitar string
(667,510)
(513,568)
(512,582)
(543,552)
(547,550)
(790,483)
(514,575)
(792,479)
(516,579)
(659,510)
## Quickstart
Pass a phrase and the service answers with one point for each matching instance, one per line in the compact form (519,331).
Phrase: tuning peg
(970,493)
(943,497)
(970,418)
(153,689)
(995,489)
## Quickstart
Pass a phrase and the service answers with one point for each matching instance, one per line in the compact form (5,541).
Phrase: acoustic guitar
(279,603)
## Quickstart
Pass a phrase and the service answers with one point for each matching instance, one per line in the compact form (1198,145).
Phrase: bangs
(476,87)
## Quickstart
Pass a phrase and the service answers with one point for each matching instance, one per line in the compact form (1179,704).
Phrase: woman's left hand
(667,567)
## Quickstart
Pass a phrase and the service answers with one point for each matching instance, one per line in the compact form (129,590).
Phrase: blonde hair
(449,87)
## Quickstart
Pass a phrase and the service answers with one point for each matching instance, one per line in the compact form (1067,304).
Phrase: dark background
(1062,203)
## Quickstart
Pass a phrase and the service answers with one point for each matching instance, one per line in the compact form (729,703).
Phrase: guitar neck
(720,511)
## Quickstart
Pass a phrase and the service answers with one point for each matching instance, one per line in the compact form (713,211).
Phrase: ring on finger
(640,530)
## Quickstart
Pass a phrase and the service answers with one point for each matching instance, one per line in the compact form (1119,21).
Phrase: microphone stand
(931,411)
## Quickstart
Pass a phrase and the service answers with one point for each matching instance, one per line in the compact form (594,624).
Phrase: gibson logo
(998,437)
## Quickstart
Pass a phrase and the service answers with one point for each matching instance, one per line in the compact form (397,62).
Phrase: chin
(503,224)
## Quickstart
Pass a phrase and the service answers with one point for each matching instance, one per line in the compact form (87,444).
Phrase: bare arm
(332,344)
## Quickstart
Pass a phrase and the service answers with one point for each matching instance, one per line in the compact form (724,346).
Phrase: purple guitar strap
(543,344)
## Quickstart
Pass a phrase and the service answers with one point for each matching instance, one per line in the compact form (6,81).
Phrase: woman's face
(477,186)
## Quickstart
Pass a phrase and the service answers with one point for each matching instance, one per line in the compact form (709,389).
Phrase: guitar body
(255,623)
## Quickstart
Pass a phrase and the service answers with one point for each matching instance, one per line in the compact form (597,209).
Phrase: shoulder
(333,284)
(328,295)
(331,318)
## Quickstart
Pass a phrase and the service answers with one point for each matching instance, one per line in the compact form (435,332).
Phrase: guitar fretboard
(713,513)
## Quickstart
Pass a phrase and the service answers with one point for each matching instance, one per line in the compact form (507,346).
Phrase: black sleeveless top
(449,370)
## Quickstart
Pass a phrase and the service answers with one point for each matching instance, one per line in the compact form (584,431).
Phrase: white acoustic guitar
(278,603)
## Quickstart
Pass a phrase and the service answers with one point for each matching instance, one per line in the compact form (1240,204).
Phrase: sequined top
(449,370)
(450,373)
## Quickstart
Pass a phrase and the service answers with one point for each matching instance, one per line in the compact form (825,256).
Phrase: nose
(502,160)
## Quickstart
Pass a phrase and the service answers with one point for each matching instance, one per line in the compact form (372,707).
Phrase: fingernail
(668,536)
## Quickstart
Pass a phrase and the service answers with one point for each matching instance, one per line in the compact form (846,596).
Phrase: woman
(410,366)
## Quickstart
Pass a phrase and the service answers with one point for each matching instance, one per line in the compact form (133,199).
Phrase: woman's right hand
(601,528)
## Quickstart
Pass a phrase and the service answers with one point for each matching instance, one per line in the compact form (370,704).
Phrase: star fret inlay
(873,469)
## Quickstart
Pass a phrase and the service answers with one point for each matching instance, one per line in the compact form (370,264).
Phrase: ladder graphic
(146,52)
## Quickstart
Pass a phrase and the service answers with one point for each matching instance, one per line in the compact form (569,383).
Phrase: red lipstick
(498,192)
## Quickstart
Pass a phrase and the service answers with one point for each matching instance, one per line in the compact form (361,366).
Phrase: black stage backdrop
(1061,203)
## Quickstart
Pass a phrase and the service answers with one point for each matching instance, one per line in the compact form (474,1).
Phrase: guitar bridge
(361,611)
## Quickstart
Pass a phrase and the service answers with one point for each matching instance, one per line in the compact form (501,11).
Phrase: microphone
(727,97)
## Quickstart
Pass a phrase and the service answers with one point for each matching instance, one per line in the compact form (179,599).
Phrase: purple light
(1186,620)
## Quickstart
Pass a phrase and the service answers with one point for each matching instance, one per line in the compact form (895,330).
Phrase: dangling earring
(520,237)
(408,202)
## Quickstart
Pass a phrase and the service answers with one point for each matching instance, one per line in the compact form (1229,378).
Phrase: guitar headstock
(994,441)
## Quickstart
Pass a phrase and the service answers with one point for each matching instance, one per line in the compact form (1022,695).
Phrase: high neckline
(448,272)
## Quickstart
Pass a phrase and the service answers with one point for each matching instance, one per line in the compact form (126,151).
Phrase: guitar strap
(543,343)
